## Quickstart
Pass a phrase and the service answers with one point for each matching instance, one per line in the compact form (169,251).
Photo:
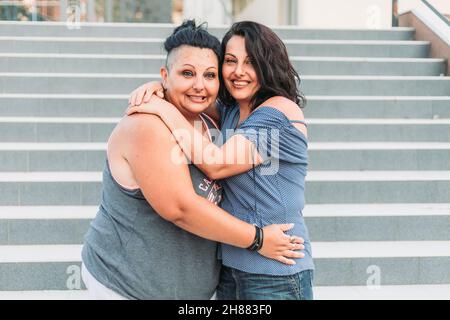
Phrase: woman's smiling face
(191,80)
(238,72)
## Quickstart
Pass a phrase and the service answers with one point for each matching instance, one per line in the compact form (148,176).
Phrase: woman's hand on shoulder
(144,93)
(154,105)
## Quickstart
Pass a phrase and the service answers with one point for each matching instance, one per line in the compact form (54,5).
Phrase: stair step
(49,267)
(96,129)
(380,249)
(376,210)
(335,48)
(25,129)
(40,253)
(160,30)
(47,212)
(389,130)
(107,63)
(29,157)
(95,105)
(113,83)
(332,210)
(26,225)
(377,107)
(399,292)
(390,227)
(84,188)
(378,156)
(45,295)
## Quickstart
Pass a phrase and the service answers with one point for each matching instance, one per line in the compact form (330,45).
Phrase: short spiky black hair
(188,33)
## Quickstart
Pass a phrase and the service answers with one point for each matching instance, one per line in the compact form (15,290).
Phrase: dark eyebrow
(230,54)
(190,65)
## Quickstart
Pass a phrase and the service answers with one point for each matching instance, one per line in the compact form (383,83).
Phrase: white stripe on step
(340,146)
(378,176)
(47,212)
(383,292)
(376,210)
(313,176)
(321,250)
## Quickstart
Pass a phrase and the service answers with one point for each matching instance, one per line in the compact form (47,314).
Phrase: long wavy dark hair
(269,56)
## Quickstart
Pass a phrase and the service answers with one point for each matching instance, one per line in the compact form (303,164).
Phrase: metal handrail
(440,15)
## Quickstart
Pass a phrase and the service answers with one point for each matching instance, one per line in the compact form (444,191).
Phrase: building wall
(372,14)
(263,11)
(442,6)
(215,12)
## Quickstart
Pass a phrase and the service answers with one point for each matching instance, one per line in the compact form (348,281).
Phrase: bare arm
(167,186)
(237,155)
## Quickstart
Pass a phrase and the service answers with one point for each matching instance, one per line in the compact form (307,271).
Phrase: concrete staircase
(378,188)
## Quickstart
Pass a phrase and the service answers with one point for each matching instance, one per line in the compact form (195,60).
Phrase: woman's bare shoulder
(140,124)
(285,105)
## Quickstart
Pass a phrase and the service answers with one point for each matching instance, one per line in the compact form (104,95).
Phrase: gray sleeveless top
(130,249)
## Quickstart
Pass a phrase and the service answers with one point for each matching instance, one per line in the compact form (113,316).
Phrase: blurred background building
(371,14)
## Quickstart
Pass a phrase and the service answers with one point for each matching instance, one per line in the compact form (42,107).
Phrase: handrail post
(394,13)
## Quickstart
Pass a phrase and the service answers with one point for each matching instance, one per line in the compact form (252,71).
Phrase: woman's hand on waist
(279,246)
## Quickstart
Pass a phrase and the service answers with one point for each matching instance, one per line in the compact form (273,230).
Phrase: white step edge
(95,176)
(155,75)
(380,249)
(118,39)
(376,210)
(375,77)
(310,211)
(386,176)
(106,56)
(80,75)
(312,121)
(125,96)
(356,42)
(340,146)
(31,146)
(63,96)
(45,295)
(321,250)
(40,253)
(383,292)
(107,25)
(365,59)
(59,119)
(378,176)
(47,212)
(380,121)
(377,98)
(161,40)
(161,57)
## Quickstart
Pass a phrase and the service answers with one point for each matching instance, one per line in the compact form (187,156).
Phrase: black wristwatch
(258,241)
